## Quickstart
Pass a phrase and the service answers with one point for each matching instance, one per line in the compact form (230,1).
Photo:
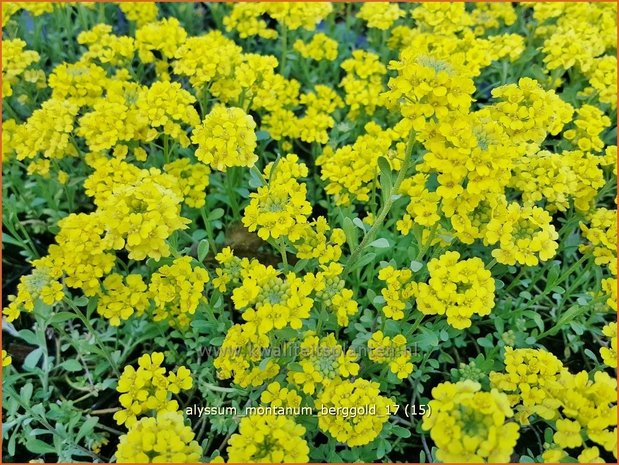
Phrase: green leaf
(81,301)
(364,260)
(401,432)
(25,393)
(428,338)
(87,427)
(416,266)
(262,135)
(203,247)
(33,358)
(381,243)
(350,231)
(215,214)
(37,446)
(71,365)
(386,179)
(61,317)
(7,239)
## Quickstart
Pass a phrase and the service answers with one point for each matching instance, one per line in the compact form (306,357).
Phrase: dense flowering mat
(272,232)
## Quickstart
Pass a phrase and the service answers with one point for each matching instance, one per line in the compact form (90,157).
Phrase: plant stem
(384,211)
(282,250)
(94,333)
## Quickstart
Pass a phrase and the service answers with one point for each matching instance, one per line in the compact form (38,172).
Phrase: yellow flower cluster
(589,123)
(41,284)
(161,439)
(80,83)
(601,235)
(580,33)
(280,208)
(207,58)
(313,241)
(444,17)
(393,351)
(140,216)
(167,105)
(294,15)
(582,410)
(193,178)
(351,171)
(457,288)
(269,302)
(241,358)
(15,61)
(177,290)
(323,363)
(229,271)
(524,234)
(278,396)
(330,292)
(119,300)
(6,359)
(148,389)
(226,138)
(140,13)
(380,15)
(603,80)
(34,8)
(469,425)
(247,18)
(105,47)
(609,354)
(400,290)
(363,83)
(529,113)
(157,42)
(339,399)
(321,47)
(545,176)
(491,15)
(49,131)
(81,252)
(427,87)
(268,439)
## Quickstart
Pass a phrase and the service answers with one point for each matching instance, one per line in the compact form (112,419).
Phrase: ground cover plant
(277,232)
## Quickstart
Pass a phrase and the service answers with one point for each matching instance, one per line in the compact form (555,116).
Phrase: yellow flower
(568,434)
(269,302)
(118,301)
(321,47)
(393,351)
(331,292)
(400,290)
(177,290)
(269,439)
(139,13)
(6,359)
(609,354)
(337,402)
(380,15)
(323,361)
(457,288)
(469,425)
(524,234)
(15,61)
(163,439)
(149,388)
(279,208)
(226,138)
